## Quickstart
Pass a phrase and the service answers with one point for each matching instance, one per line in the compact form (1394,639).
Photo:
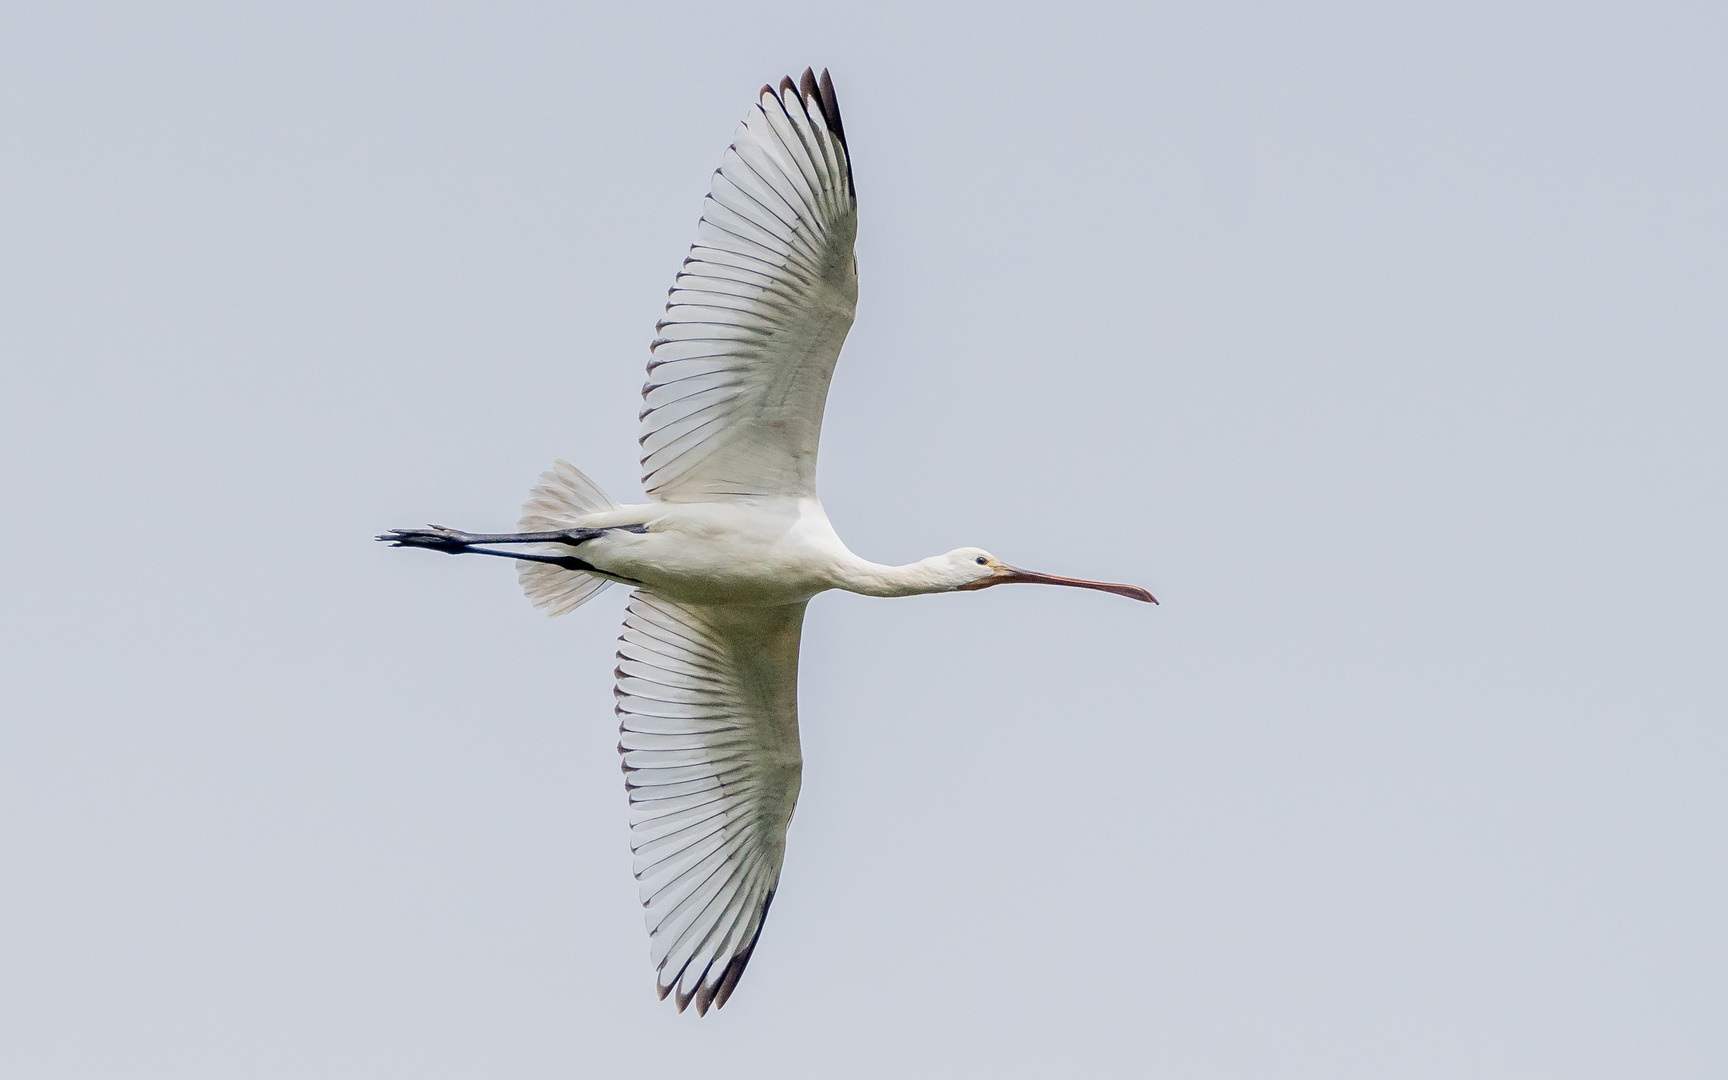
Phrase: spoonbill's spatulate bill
(734,543)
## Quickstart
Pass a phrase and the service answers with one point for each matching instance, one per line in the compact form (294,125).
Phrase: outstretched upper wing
(708,703)
(755,320)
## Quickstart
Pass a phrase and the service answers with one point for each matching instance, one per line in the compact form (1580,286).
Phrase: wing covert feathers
(561,499)
(708,734)
(755,319)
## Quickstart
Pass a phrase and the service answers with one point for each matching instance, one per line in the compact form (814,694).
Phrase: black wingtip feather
(704,995)
(831,113)
(736,967)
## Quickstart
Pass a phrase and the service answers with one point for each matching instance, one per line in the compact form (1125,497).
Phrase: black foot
(434,537)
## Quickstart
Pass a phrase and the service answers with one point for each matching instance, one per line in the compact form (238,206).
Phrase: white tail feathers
(561,499)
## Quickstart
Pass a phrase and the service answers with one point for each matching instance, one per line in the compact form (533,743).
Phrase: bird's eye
(981,560)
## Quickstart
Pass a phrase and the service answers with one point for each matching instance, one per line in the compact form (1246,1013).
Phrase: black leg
(455,542)
(568,562)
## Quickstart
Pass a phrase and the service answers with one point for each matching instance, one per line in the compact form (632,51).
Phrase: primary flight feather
(735,542)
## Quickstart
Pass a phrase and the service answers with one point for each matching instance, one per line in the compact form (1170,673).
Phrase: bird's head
(974,568)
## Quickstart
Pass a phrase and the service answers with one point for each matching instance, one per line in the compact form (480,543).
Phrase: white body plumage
(761,552)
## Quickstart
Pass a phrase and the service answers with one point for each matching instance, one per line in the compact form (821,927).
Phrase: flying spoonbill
(734,543)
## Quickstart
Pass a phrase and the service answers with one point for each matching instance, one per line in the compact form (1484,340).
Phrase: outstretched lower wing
(755,319)
(708,702)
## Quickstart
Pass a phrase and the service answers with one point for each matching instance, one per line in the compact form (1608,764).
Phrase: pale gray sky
(1386,343)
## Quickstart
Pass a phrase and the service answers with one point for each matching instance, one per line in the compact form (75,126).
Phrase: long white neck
(866,578)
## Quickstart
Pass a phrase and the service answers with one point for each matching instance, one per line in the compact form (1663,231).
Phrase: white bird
(733,545)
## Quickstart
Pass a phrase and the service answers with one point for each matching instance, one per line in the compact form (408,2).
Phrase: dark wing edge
(707,706)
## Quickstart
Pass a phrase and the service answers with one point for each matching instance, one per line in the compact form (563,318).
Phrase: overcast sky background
(1387,344)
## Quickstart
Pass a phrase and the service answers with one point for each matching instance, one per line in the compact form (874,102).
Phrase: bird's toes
(435,537)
